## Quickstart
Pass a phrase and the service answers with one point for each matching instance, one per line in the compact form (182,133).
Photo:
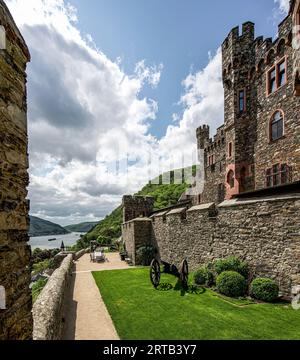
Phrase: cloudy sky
(116,89)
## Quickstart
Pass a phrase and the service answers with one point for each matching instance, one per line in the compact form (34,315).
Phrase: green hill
(40,227)
(109,228)
(82,227)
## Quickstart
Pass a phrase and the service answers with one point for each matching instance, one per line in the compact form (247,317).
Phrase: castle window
(272,81)
(230,179)
(230,150)
(276,77)
(279,174)
(277,126)
(281,74)
(211,160)
(242,101)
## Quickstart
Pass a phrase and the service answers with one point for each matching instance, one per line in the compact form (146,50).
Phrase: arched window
(277,126)
(230,179)
(261,66)
(270,57)
(281,47)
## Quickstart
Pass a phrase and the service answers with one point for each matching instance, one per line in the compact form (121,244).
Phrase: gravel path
(86,316)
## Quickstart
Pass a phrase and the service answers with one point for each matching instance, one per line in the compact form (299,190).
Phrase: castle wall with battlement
(15,274)
(263,231)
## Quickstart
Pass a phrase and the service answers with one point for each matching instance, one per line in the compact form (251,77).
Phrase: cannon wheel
(155,273)
(184,273)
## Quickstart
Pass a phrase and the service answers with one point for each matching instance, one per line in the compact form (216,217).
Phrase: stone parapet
(49,308)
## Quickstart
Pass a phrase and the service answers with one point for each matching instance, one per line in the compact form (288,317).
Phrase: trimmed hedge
(232,264)
(204,276)
(264,289)
(231,283)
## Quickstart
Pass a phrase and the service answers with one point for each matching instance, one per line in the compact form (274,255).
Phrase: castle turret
(238,52)
(137,206)
(202,134)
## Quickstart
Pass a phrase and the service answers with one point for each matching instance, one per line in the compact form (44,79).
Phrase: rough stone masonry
(16,318)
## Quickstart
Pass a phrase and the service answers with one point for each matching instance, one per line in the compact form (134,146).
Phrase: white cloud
(203,102)
(284,5)
(85,112)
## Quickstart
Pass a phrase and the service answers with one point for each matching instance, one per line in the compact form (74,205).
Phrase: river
(43,243)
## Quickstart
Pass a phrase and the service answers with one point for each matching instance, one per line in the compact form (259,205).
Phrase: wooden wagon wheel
(155,273)
(184,273)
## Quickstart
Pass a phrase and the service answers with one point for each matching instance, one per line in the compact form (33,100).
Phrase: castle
(250,205)
(259,144)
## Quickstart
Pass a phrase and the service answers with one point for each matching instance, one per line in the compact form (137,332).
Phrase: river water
(43,243)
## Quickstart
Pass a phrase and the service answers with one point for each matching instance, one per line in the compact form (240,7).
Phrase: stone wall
(16,320)
(48,309)
(265,232)
(136,233)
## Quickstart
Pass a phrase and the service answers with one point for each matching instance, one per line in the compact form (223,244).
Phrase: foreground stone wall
(48,309)
(265,232)
(16,319)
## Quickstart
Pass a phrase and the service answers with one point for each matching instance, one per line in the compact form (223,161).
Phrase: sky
(116,90)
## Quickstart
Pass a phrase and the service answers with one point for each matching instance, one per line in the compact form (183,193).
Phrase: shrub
(37,288)
(231,283)
(264,289)
(204,276)
(232,264)
(41,267)
(145,254)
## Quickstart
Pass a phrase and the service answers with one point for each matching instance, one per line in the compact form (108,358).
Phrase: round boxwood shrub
(232,264)
(231,283)
(264,289)
(203,276)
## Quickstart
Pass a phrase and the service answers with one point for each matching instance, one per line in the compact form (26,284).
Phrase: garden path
(86,316)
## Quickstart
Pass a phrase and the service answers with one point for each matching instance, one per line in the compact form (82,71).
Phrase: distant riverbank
(43,243)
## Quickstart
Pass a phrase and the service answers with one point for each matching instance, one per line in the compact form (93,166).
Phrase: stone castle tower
(15,274)
(258,145)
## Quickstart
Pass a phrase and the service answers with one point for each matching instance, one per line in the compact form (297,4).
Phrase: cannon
(182,273)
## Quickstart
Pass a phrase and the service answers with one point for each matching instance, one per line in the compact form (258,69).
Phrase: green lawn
(141,312)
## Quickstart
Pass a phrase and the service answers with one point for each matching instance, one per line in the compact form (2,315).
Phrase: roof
(202,207)
(277,190)
(177,211)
